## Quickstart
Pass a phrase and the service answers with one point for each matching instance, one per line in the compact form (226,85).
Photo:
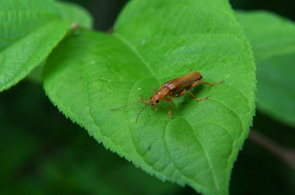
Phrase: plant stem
(286,155)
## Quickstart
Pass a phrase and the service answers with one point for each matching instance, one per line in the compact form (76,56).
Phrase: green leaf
(274,48)
(153,42)
(269,34)
(76,14)
(276,88)
(29,30)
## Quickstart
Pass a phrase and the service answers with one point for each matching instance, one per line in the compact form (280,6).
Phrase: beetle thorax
(160,95)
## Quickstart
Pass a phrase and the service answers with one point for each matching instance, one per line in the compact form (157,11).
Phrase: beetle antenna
(126,105)
(141,111)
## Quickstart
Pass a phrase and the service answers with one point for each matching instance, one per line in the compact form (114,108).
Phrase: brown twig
(284,154)
(110,30)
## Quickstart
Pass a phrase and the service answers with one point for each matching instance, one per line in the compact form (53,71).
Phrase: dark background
(42,152)
(105,12)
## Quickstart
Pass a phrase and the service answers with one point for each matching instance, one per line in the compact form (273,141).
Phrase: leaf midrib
(123,40)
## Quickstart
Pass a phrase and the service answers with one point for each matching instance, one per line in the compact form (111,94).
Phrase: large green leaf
(273,41)
(155,41)
(29,30)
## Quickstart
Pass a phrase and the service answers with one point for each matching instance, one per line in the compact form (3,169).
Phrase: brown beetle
(174,89)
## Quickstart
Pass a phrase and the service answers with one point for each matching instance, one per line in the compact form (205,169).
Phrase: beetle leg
(193,85)
(184,92)
(170,100)
(211,83)
(199,99)
(180,94)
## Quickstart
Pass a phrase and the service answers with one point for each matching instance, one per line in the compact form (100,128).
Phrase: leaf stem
(286,155)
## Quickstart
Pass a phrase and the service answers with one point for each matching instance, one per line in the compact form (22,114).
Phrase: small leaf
(76,14)
(153,42)
(29,30)
(273,41)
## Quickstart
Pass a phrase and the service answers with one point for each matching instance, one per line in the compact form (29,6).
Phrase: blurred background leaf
(273,41)
(270,35)
(26,25)
(76,14)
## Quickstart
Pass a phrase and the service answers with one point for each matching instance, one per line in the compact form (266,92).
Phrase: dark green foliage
(86,74)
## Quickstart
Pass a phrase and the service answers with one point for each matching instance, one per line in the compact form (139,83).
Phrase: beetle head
(155,100)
